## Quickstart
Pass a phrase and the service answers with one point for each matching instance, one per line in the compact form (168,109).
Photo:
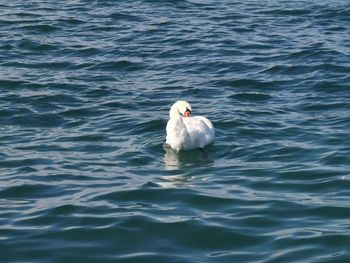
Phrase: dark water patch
(85,51)
(40,28)
(79,112)
(256,46)
(100,78)
(6,46)
(29,161)
(52,65)
(11,84)
(324,107)
(249,83)
(29,191)
(118,65)
(126,17)
(59,99)
(64,210)
(149,125)
(330,86)
(335,68)
(101,91)
(42,147)
(339,10)
(139,160)
(16,24)
(37,120)
(71,21)
(286,12)
(28,44)
(116,104)
(144,195)
(335,29)
(314,49)
(250,96)
(31,15)
(308,175)
(295,70)
(336,158)
(83,138)
(4,113)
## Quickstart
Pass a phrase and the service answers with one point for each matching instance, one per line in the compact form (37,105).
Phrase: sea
(85,92)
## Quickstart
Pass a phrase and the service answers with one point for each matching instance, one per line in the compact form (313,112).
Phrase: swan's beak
(187,113)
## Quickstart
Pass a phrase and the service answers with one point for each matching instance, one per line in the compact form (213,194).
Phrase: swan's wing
(206,121)
(201,131)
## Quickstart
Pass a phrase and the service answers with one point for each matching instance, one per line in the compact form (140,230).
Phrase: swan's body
(185,132)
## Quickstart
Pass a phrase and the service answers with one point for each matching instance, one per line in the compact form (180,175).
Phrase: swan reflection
(175,160)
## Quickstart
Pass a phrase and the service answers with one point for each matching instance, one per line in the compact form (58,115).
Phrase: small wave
(250,96)
(121,65)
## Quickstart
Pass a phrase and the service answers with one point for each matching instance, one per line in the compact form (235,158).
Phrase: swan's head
(180,108)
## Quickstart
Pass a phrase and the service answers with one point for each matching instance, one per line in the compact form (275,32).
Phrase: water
(85,90)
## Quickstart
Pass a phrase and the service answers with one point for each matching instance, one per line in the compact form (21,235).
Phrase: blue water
(85,91)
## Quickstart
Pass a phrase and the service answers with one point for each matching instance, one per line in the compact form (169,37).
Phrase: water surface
(85,90)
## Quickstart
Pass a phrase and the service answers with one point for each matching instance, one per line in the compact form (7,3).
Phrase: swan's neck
(174,113)
(183,129)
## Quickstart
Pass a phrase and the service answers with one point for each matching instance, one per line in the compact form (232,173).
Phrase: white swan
(185,132)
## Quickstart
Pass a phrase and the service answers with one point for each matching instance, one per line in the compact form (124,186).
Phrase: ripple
(119,65)
(251,96)
(29,191)
(288,12)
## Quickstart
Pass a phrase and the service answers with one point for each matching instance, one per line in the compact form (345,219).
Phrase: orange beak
(187,113)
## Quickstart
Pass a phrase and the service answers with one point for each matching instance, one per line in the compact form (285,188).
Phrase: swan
(185,132)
